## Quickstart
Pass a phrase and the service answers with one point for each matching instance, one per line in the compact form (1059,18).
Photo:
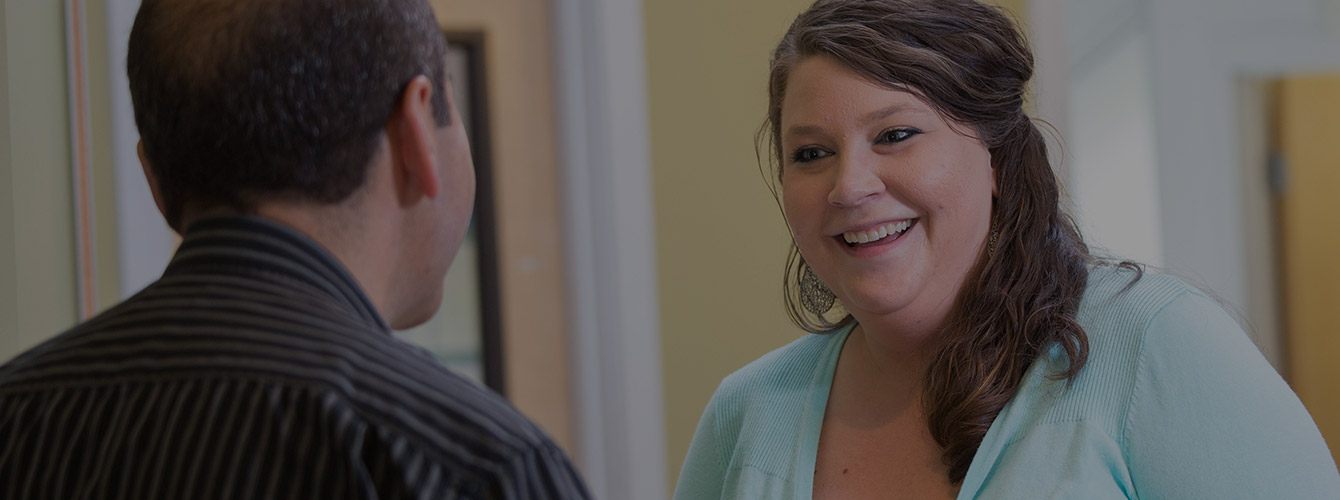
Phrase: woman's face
(888,202)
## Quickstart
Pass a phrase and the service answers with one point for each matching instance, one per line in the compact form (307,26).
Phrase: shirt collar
(263,249)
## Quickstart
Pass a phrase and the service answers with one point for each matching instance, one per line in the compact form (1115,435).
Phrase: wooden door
(1308,215)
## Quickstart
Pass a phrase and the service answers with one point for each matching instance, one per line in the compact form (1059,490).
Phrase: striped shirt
(257,368)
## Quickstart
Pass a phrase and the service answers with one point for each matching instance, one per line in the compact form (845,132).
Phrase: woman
(970,346)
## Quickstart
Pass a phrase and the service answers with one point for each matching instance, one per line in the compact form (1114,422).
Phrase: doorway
(1303,114)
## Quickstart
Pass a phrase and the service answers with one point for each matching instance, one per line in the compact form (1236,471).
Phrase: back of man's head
(240,101)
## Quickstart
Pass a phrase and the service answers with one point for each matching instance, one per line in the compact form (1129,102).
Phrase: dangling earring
(815,296)
(991,240)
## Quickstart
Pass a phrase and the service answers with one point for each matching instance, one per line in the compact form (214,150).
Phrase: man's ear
(412,132)
(150,176)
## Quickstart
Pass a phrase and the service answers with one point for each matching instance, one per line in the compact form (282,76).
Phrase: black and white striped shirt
(256,368)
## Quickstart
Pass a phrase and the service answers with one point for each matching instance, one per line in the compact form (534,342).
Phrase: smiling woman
(890,206)
(966,344)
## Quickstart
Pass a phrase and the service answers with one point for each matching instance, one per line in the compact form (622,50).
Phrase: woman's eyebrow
(873,116)
(803,130)
(888,111)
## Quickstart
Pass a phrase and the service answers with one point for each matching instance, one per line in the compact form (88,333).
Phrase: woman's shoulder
(1131,290)
(788,377)
(757,417)
(1152,314)
(1142,327)
(1137,321)
(792,365)
(1124,306)
(1124,303)
(1172,353)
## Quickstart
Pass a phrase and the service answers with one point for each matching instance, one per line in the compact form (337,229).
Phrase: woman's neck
(900,342)
(890,369)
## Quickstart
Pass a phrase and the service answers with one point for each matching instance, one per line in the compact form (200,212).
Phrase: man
(310,156)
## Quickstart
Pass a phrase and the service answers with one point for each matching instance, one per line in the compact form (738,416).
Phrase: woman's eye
(806,155)
(898,135)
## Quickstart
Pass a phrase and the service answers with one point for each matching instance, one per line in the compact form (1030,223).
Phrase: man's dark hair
(243,100)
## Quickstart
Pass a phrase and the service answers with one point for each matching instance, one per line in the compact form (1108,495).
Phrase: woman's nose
(855,182)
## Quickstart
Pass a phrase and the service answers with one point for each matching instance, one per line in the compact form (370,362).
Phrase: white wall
(1198,57)
(1205,49)
(37,278)
(1113,174)
(146,243)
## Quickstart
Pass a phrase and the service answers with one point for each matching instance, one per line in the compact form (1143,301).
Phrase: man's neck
(364,249)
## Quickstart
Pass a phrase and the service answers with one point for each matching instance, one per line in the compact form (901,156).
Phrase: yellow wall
(1016,6)
(721,241)
(37,280)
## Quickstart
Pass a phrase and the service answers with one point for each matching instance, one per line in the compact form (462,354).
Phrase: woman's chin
(875,305)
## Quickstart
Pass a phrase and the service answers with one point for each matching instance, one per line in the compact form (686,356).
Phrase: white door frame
(1211,225)
(145,242)
(609,225)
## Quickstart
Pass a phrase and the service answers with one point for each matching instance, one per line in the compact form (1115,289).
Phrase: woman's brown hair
(969,61)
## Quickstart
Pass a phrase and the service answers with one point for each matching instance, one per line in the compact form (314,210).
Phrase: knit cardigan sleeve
(1210,418)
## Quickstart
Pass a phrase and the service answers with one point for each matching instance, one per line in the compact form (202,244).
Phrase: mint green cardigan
(1175,402)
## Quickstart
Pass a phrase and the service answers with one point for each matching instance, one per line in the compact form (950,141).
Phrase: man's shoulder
(429,392)
(388,382)
(55,352)
(455,423)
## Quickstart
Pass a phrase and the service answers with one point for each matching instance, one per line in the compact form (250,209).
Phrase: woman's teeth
(876,234)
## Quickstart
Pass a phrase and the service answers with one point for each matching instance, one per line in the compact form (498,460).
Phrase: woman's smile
(875,240)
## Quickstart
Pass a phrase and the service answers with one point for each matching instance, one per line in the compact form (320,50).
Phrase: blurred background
(627,254)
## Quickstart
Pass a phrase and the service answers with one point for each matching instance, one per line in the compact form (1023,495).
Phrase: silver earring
(991,240)
(815,296)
